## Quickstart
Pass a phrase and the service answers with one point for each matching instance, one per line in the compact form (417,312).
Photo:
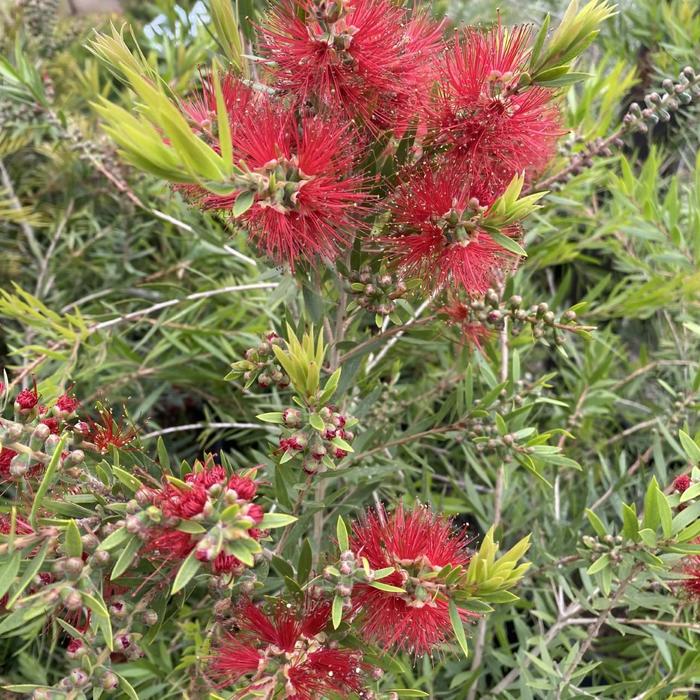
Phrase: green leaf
(243,202)
(599,564)
(337,611)
(317,422)
(507,242)
(29,573)
(386,587)
(129,480)
(186,572)
(73,545)
(120,535)
(126,557)
(596,523)
(458,628)
(163,457)
(239,549)
(101,616)
(341,533)
(274,417)
(665,514)
(648,537)
(690,493)
(274,520)
(127,687)
(690,447)
(630,527)
(46,482)
(305,561)
(9,567)
(651,517)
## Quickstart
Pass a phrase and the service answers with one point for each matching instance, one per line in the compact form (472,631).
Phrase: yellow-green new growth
(302,361)
(488,578)
(550,61)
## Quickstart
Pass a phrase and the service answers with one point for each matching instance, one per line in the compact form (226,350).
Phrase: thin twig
(201,426)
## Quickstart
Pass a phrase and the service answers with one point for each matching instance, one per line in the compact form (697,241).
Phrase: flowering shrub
(348,535)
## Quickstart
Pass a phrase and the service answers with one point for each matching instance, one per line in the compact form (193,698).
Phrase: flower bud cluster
(31,437)
(659,108)
(260,366)
(491,313)
(375,292)
(318,439)
(209,512)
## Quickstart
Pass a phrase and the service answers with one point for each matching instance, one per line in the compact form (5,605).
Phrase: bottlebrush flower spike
(351,57)
(439,233)
(105,432)
(460,314)
(286,652)
(483,115)
(690,568)
(296,196)
(416,543)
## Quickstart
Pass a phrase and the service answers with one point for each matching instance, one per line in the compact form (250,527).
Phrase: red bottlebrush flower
(414,542)
(255,512)
(306,202)
(6,457)
(67,404)
(483,115)
(169,545)
(245,488)
(207,477)
(681,483)
(689,566)
(52,425)
(105,432)
(183,503)
(438,236)
(362,57)
(22,527)
(285,650)
(27,399)
(459,314)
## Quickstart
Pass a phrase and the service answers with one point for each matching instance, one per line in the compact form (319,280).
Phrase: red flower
(690,567)
(361,57)
(681,483)
(52,425)
(306,201)
(183,503)
(22,527)
(202,111)
(286,651)
(27,399)
(6,457)
(436,214)
(459,314)
(105,432)
(414,543)
(245,488)
(207,477)
(483,115)
(169,545)
(67,404)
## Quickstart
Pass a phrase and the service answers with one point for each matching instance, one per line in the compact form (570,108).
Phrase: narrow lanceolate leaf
(9,567)
(29,573)
(243,202)
(337,612)
(273,520)
(691,448)
(341,532)
(386,587)
(46,482)
(599,564)
(458,628)
(187,570)
(73,544)
(126,557)
(507,242)
(101,616)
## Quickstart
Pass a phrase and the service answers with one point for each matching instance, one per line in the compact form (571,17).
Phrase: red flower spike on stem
(307,203)
(681,483)
(437,232)
(287,650)
(363,58)
(105,432)
(484,116)
(414,542)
